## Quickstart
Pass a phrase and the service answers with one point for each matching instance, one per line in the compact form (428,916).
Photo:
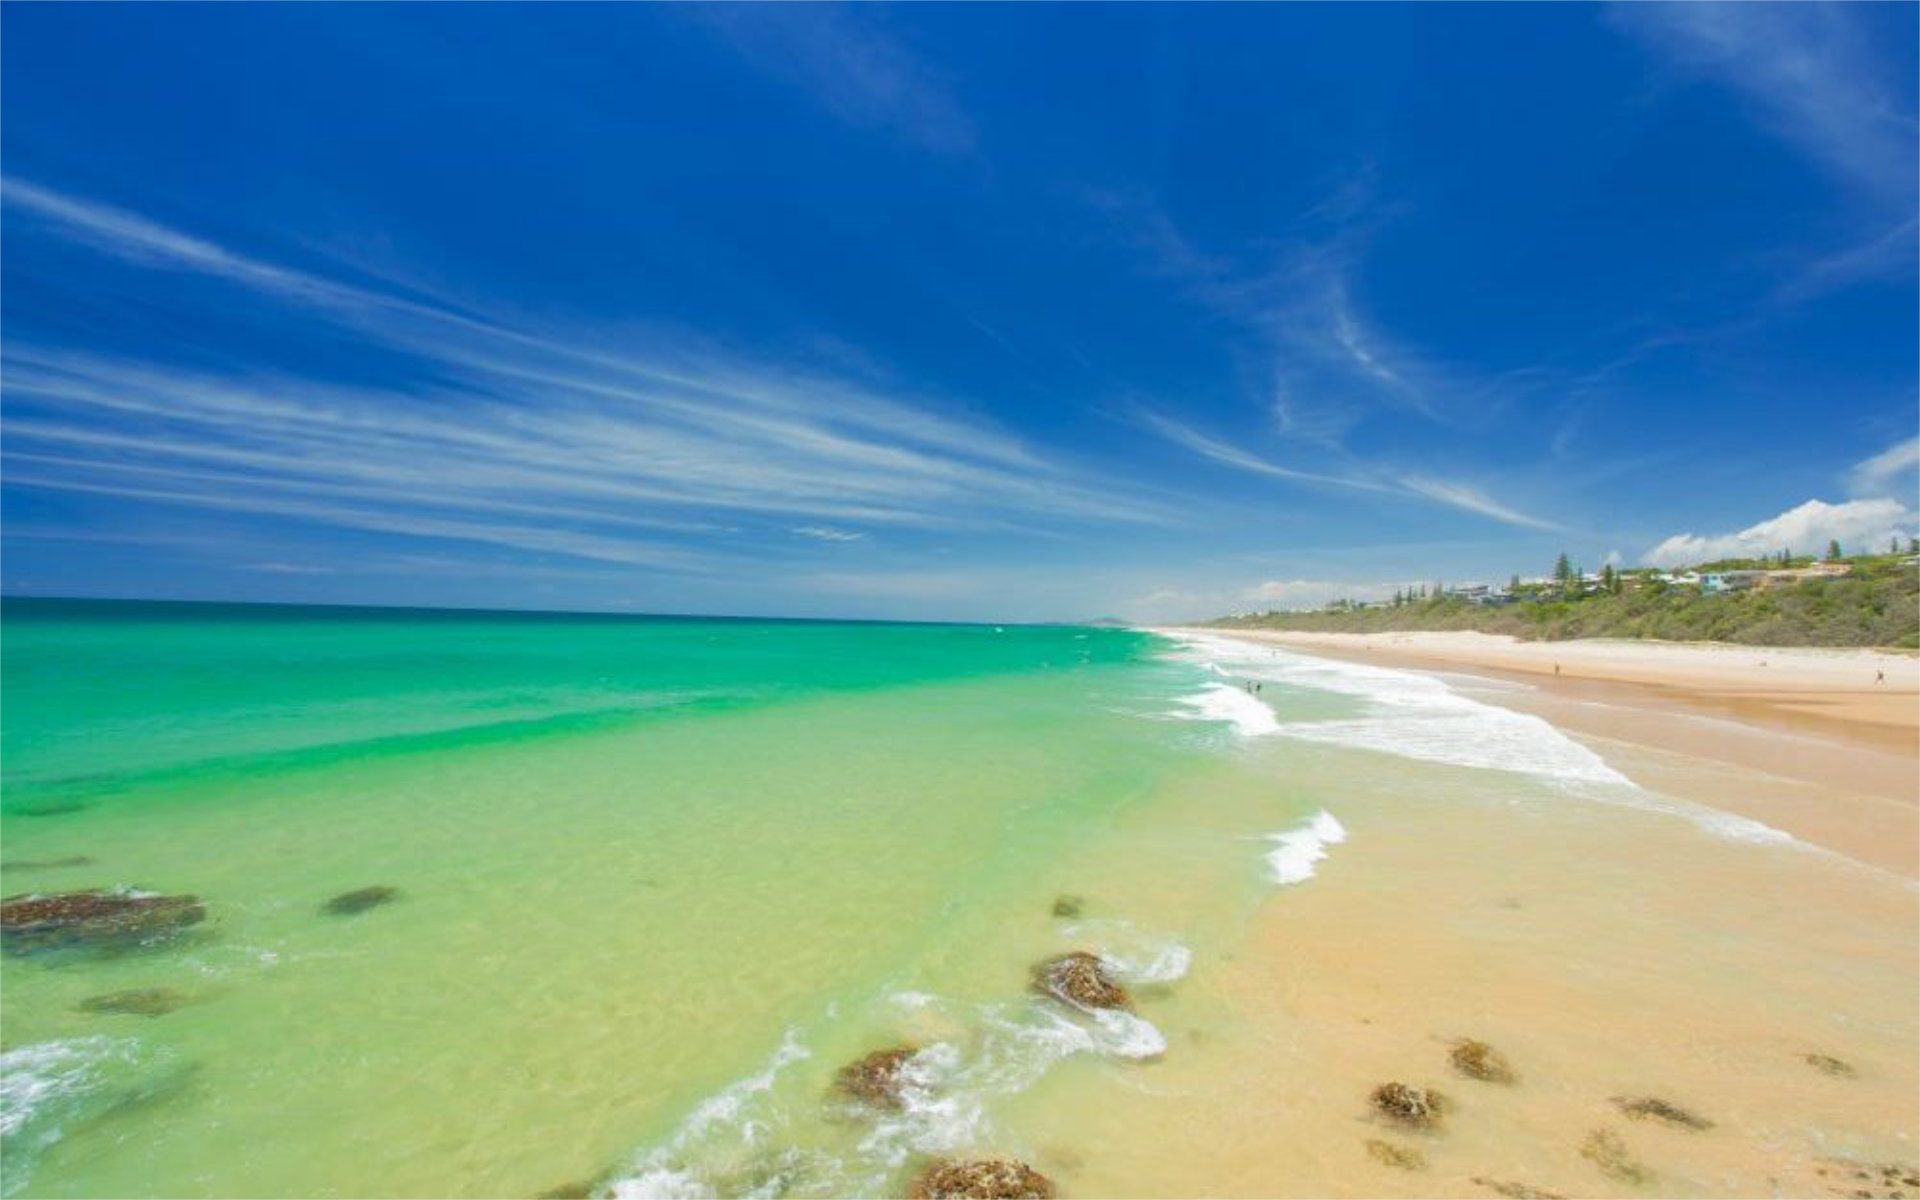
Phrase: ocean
(653,881)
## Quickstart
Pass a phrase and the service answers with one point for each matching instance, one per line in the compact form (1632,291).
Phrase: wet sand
(1797,744)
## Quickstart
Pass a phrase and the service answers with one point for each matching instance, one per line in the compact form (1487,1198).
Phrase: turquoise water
(634,857)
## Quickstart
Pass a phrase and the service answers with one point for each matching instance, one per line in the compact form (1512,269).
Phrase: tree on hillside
(1833,550)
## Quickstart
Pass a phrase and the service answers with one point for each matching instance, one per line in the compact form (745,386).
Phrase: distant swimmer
(1879,676)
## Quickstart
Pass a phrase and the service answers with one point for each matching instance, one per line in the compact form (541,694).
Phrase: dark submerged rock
(42,922)
(1414,1107)
(1827,1064)
(1516,1191)
(1068,906)
(47,864)
(1080,979)
(876,1078)
(347,904)
(1477,1060)
(1406,1158)
(54,808)
(1644,1108)
(1604,1149)
(578,1190)
(981,1179)
(138,1002)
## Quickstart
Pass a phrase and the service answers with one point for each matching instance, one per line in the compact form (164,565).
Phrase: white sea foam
(1225,702)
(1135,956)
(1297,853)
(727,1127)
(48,1087)
(740,1141)
(1406,713)
(1419,716)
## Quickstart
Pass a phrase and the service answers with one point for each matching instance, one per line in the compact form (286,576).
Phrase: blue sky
(1001,312)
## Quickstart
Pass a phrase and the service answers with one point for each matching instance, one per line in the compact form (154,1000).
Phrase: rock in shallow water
(43,922)
(981,1179)
(347,904)
(1082,979)
(47,864)
(138,1002)
(1068,906)
(1415,1107)
(876,1078)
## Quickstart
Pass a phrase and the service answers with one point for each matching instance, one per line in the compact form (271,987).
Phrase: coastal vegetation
(1876,602)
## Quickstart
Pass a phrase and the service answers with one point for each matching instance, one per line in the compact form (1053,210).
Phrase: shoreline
(1798,743)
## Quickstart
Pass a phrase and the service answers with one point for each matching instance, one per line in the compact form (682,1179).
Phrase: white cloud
(1875,474)
(827,533)
(1858,525)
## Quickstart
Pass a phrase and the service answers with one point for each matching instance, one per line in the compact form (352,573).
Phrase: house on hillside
(1720,582)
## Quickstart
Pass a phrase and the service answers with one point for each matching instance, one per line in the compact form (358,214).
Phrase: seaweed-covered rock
(46,864)
(1652,1108)
(1516,1191)
(1068,906)
(1414,1107)
(347,904)
(1827,1064)
(101,916)
(981,1179)
(1406,1158)
(876,1079)
(1082,979)
(1477,1060)
(137,1002)
(1604,1149)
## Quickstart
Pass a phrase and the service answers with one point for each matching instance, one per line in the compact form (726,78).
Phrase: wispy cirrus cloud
(847,61)
(1873,476)
(1379,480)
(514,436)
(1815,75)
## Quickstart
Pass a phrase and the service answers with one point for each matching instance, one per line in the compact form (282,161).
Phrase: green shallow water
(635,857)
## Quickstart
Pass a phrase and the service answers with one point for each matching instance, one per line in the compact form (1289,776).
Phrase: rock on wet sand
(981,1179)
(1477,1060)
(346,904)
(1652,1108)
(1604,1149)
(1516,1191)
(42,922)
(1827,1064)
(1082,979)
(1406,1158)
(1414,1107)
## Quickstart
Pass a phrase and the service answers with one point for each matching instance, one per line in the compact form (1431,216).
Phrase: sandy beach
(1822,743)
